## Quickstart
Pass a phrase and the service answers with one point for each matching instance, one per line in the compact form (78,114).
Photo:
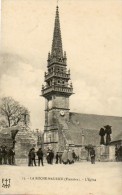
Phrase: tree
(12,113)
(3,123)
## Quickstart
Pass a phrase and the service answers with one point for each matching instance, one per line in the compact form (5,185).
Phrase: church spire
(57,51)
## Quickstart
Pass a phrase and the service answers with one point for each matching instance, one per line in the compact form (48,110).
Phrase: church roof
(118,137)
(88,125)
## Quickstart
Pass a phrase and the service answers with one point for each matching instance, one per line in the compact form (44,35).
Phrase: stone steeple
(57,90)
(57,76)
(57,50)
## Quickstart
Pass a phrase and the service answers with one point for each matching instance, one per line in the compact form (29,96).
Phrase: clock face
(62,113)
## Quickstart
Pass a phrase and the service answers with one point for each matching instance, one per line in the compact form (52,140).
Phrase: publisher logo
(6,183)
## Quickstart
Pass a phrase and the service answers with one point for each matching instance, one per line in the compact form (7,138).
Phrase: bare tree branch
(13,113)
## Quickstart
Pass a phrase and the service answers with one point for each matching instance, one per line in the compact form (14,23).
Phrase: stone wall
(61,102)
(24,142)
(6,141)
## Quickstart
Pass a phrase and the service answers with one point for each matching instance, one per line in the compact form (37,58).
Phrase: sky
(92,37)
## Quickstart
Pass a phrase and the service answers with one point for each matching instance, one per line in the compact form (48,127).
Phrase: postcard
(61,97)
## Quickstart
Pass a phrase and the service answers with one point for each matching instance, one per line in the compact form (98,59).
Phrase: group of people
(68,157)
(7,156)
(32,157)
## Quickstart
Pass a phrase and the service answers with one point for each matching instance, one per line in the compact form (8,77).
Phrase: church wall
(62,141)
(52,146)
(50,136)
(51,118)
(61,102)
(54,116)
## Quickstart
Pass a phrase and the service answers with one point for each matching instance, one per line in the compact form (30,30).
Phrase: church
(64,129)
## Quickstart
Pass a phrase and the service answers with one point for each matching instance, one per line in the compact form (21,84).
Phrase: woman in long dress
(70,157)
(65,157)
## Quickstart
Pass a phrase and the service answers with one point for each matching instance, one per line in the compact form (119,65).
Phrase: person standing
(29,158)
(10,156)
(70,157)
(4,154)
(60,157)
(0,155)
(57,158)
(51,156)
(40,156)
(13,156)
(48,156)
(74,156)
(65,157)
(92,155)
(32,157)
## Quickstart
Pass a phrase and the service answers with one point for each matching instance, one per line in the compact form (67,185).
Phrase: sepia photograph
(61,97)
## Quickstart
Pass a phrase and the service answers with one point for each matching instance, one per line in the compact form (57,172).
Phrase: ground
(81,178)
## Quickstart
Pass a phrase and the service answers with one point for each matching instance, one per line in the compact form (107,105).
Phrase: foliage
(12,113)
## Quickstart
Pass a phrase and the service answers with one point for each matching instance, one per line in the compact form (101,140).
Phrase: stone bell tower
(57,90)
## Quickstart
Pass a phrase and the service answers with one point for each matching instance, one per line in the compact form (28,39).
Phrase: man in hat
(51,157)
(92,155)
(57,158)
(40,156)
(32,156)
